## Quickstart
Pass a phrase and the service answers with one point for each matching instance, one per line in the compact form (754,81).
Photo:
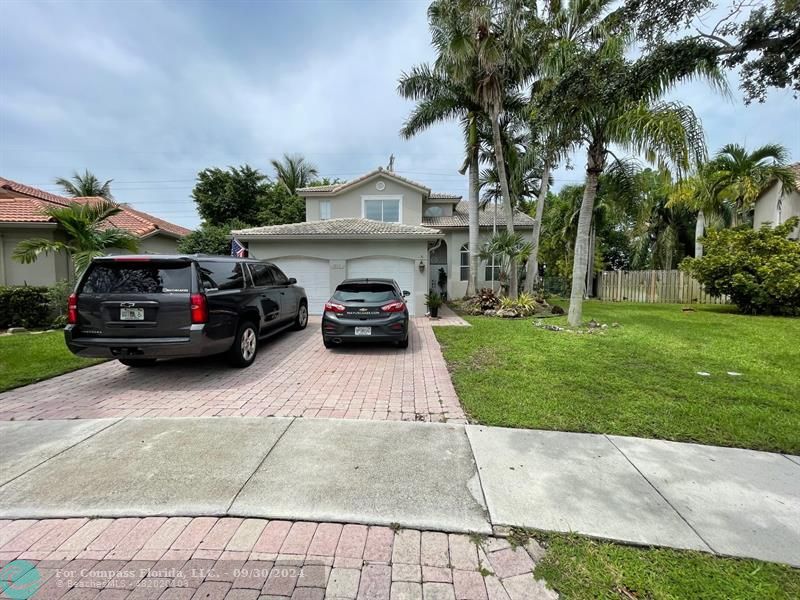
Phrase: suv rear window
(222,275)
(137,278)
(365,292)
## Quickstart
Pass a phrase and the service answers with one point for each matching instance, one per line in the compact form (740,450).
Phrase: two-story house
(379,225)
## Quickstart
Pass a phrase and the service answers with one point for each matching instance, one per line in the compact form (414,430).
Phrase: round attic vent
(380,186)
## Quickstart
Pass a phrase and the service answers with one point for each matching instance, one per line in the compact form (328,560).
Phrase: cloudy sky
(149,93)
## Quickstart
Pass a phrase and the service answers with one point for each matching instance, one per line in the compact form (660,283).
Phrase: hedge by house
(33,306)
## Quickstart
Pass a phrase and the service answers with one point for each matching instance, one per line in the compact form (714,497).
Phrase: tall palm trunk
(699,232)
(581,259)
(533,261)
(508,209)
(474,224)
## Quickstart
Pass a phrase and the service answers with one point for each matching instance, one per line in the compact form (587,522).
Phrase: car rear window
(365,292)
(137,278)
(221,275)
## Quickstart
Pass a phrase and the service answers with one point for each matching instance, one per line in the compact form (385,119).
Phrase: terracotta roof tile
(20,203)
(460,218)
(337,228)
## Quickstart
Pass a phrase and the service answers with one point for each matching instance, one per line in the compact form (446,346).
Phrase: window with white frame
(324,210)
(464,270)
(493,269)
(382,209)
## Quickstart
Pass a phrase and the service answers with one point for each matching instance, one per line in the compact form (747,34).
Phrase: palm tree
(441,99)
(294,171)
(492,37)
(563,28)
(86,185)
(86,234)
(740,177)
(696,193)
(611,100)
(511,248)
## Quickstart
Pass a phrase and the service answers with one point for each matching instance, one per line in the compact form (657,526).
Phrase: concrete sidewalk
(428,476)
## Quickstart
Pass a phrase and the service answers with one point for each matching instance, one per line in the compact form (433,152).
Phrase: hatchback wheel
(301,320)
(245,346)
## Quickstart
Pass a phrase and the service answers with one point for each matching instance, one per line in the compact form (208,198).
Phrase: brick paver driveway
(294,375)
(178,558)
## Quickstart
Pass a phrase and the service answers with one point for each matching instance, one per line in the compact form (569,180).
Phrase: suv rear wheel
(245,345)
(301,320)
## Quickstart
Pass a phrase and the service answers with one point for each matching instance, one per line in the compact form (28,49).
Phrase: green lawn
(28,358)
(639,379)
(583,569)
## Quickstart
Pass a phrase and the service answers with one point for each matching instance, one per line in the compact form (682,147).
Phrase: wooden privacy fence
(655,287)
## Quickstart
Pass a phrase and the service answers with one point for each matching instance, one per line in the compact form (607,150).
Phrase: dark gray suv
(139,308)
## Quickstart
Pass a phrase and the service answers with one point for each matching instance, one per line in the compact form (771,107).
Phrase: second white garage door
(399,269)
(311,273)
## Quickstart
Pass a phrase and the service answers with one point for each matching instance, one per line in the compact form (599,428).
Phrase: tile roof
(443,196)
(338,228)
(340,187)
(460,218)
(20,203)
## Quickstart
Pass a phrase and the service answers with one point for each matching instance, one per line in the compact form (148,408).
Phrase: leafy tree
(280,206)
(86,185)
(294,171)
(759,269)
(224,195)
(208,239)
(762,40)
(85,231)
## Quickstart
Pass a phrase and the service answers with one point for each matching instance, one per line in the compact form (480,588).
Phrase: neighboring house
(22,217)
(776,205)
(378,225)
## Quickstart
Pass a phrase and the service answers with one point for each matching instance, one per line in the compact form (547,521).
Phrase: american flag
(238,249)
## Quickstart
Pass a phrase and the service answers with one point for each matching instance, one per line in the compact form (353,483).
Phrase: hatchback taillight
(333,307)
(395,306)
(199,309)
(72,309)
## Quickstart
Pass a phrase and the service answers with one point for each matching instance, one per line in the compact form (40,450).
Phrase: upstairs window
(382,209)
(324,210)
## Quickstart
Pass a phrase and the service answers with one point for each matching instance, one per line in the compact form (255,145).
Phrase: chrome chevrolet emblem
(363,309)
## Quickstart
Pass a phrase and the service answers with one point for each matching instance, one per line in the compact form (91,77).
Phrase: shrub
(57,297)
(24,306)
(759,269)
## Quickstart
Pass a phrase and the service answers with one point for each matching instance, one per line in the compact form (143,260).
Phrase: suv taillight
(335,308)
(395,306)
(72,309)
(199,308)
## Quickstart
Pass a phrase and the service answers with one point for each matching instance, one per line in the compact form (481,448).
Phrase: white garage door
(399,269)
(311,273)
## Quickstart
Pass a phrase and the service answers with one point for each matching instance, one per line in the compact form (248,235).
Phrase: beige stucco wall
(158,244)
(46,270)
(349,205)
(766,208)
(338,252)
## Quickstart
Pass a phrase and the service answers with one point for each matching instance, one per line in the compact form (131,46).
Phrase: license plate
(363,330)
(131,314)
